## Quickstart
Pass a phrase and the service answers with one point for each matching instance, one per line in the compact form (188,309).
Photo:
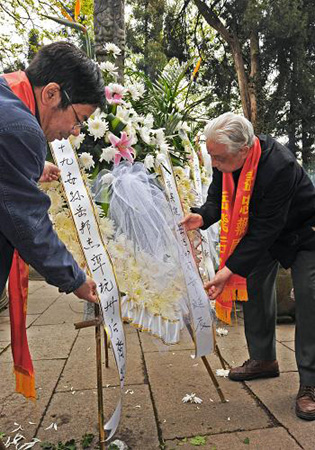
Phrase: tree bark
(253,79)
(232,39)
(109,26)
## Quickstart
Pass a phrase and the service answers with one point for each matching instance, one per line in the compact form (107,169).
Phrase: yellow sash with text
(234,224)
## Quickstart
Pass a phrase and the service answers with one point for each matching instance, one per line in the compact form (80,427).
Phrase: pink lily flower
(123,145)
(113,98)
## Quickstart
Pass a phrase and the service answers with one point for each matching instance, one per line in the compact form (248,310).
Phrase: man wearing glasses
(58,91)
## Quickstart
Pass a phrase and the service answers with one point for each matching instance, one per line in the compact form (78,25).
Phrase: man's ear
(51,95)
(244,151)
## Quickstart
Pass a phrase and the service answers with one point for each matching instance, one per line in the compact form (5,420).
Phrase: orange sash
(234,224)
(18,278)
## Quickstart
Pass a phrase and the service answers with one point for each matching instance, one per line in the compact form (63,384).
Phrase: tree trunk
(109,26)
(253,80)
(241,76)
(232,39)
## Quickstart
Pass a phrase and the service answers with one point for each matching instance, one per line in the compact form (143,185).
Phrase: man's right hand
(192,221)
(87,291)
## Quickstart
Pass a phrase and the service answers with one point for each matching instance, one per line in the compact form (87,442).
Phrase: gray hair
(232,130)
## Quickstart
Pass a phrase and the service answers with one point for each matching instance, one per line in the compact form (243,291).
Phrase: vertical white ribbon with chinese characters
(198,301)
(97,258)
(205,243)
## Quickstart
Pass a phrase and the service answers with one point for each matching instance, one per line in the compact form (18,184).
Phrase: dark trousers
(260,312)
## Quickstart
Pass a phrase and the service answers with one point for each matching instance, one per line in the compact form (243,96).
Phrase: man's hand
(192,221)
(50,173)
(87,291)
(216,285)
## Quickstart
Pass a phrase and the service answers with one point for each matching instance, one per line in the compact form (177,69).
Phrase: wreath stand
(98,324)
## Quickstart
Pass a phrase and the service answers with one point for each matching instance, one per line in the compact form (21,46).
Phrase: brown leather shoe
(305,403)
(253,368)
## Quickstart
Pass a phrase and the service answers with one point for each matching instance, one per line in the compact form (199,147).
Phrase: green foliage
(21,21)
(69,445)
(246,441)
(87,440)
(198,441)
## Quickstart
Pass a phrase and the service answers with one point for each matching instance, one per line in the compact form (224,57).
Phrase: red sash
(18,278)
(234,224)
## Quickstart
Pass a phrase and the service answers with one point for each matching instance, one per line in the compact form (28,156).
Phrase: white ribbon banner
(199,305)
(205,244)
(97,259)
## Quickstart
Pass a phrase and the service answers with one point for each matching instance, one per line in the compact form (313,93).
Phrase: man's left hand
(50,173)
(216,285)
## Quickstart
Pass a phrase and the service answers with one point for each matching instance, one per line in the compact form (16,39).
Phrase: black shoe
(305,403)
(253,368)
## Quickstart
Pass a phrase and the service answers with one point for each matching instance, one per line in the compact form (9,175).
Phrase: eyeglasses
(79,124)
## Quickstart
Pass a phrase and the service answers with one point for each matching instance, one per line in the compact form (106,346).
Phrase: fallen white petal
(191,398)
(129,391)
(222,372)
(222,331)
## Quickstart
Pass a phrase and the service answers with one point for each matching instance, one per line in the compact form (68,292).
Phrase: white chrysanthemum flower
(97,127)
(108,154)
(145,135)
(160,136)
(164,148)
(222,372)
(222,331)
(148,121)
(136,90)
(112,48)
(87,161)
(110,68)
(191,398)
(107,178)
(107,227)
(57,201)
(149,162)
(76,141)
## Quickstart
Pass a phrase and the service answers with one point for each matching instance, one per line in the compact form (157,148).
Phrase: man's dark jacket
(281,211)
(24,221)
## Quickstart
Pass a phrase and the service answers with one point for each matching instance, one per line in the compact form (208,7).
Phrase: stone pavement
(259,414)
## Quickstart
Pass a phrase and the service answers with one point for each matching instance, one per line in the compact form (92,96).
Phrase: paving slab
(15,408)
(5,330)
(173,375)
(278,395)
(286,358)
(48,342)
(266,439)
(65,309)
(41,296)
(76,414)
(80,370)
(285,332)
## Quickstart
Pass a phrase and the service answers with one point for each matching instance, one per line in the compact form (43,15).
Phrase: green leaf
(48,446)
(198,441)
(67,23)
(86,440)
(246,440)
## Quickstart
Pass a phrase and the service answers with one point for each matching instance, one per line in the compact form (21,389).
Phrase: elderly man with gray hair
(266,203)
